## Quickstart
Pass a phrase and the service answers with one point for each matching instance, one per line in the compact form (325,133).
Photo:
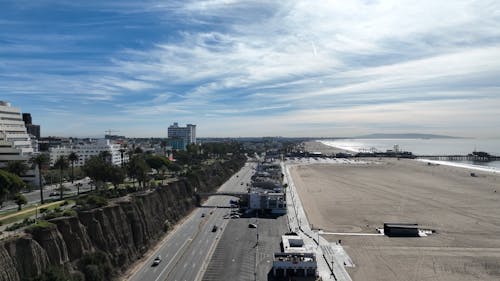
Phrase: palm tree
(40,160)
(122,151)
(73,157)
(61,164)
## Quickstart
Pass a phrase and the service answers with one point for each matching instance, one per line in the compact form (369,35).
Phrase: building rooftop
(292,244)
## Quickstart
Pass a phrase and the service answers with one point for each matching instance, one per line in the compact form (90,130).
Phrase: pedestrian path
(331,266)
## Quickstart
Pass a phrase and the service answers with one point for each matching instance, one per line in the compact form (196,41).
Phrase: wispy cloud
(350,65)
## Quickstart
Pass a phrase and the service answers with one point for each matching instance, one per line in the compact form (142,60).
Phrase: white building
(187,134)
(294,259)
(88,150)
(15,142)
(266,201)
(13,128)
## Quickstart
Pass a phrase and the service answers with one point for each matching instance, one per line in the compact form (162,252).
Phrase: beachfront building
(180,137)
(267,202)
(294,259)
(89,149)
(15,142)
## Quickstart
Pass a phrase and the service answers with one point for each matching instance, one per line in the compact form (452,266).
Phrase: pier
(469,157)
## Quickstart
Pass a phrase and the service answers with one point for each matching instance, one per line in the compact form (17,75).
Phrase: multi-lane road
(186,251)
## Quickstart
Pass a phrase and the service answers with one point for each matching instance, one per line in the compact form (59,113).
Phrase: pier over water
(478,156)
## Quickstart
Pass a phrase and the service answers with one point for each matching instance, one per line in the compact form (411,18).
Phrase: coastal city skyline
(253,68)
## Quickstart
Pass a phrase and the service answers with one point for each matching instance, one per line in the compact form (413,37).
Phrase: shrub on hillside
(39,226)
(92,201)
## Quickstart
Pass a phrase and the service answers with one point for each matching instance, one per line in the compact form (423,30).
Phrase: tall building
(32,129)
(15,142)
(180,137)
(13,128)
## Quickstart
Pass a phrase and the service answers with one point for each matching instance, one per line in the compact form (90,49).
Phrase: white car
(157,261)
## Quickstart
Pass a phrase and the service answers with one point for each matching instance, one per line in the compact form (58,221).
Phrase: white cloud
(303,62)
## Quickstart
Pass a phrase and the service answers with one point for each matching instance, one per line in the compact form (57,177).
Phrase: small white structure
(294,260)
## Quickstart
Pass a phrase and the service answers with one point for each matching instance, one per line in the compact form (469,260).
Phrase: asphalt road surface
(186,251)
(34,196)
(239,257)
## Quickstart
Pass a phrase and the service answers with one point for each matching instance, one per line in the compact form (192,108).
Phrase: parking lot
(238,256)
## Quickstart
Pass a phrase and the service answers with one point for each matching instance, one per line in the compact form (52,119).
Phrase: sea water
(425,147)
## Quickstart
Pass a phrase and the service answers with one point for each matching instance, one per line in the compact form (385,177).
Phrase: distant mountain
(405,136)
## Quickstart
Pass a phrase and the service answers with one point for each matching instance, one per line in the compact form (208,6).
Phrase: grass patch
(30,211)
(41,224)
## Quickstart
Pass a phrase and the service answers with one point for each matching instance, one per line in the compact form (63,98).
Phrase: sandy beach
(314,146)
(358,198)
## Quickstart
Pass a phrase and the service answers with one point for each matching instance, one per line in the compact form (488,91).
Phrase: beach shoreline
(326,149)
(358,197)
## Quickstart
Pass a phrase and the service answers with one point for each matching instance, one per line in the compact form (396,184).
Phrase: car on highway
(156,261)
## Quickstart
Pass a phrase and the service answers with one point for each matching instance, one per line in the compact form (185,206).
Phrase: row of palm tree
(61,163)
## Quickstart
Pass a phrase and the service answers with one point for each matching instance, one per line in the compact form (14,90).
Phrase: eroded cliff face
(123,230)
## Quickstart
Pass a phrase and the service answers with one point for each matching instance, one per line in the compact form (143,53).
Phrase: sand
(358,198)
(314,146)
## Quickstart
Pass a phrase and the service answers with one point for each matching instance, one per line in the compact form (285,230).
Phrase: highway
(186,251)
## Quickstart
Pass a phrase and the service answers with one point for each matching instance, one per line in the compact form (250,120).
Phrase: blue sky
(253,68)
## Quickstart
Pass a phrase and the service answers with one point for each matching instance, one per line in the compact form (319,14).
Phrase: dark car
(214,229)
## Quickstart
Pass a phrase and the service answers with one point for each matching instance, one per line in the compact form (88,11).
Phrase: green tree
(122,151)
(20,200)
(138,150)
(73,157)
(17,167)
(106,156)
(9,184)
(96,168)
(61,164)
(54,274)
(156,162)
(137,168)
(193,148)
(40,160)
(116,176)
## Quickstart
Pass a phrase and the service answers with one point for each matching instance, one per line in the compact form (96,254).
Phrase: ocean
(425,147)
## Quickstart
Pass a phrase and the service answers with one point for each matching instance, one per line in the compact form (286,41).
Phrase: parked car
(54,193)
(252,225)
(214,229)
(203,215)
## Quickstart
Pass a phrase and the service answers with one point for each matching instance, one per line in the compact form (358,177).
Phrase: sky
(253,68)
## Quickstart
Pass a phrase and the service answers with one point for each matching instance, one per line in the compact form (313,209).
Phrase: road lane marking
(171,260)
